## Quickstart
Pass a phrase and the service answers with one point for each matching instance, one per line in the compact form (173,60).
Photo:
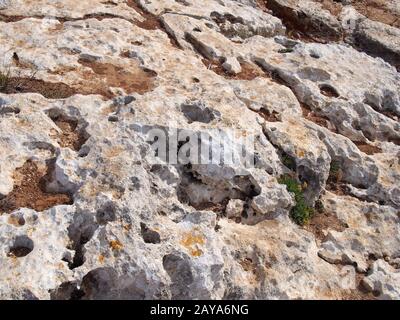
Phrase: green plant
(289,161)
(335,167)
(301,212)
(4,79)
(335,171)
(319,206)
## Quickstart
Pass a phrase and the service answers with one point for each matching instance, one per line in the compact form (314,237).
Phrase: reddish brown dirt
(5,18)
(299,27)
(108,75)
(274,76)
(360,293)
(377,10)
(323,221)
(29,190)
(215,207)
(269,116)
(317,119)
(249,266)
(151,22)
(367,148)
(330,5)
(70,137)
(338,188)
(249,71)
(104,76)
(98,16)
(335,183)
(50,90)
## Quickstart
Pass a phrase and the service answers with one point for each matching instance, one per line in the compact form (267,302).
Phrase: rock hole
(215,195)
(6,110)
(315,55)
(328,91)
(106,213)
(67,291)
(22,246)
(30,189)
(80,232)
(288,161)
(198,112)
(178,268)
(149,235)
(73,135)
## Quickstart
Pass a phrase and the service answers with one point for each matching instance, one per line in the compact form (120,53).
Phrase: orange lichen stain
(116,245)
(101,259)
(196,252)
(192,240)
(107,110)
(300,153)
(127,227)
(15,221)
(117,194)
(114,152)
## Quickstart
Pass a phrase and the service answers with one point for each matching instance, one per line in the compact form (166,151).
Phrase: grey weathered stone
(137,227)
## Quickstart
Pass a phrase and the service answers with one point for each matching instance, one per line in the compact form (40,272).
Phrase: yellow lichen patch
(116,245)
(192,240)
(127,227)
(196,252)
(89,190)
(300,153)
(101,259)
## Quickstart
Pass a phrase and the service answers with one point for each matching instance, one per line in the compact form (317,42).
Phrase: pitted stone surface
(88,211)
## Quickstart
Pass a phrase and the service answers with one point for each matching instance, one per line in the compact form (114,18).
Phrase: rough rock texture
(89,211)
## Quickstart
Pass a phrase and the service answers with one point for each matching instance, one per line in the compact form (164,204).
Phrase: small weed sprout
(301,213)
(5,76)
(11,80)
(289,162)
(335,172)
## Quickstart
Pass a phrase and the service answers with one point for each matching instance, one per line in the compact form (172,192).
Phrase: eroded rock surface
(89,211)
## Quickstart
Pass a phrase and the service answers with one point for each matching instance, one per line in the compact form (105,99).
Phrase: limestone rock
(143,144)
(380,40)
(384,280)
